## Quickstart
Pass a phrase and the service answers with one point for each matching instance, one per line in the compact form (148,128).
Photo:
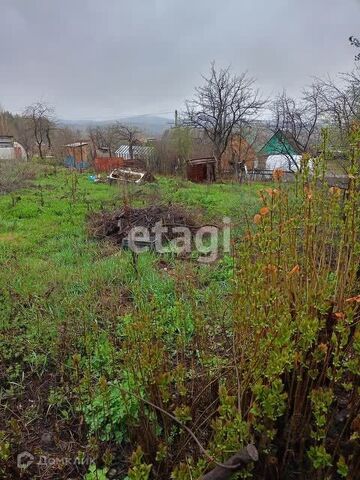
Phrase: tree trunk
(40,150)
(48,138)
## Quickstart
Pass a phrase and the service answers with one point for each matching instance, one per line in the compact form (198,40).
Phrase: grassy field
(59,288)
(159,369)
(44,243)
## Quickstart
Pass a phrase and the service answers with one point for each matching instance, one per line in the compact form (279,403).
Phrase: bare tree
(166,157)
(182,142)
(3,121)
(243,145)
(105,137)
(341,102)
(356,43)
(19,127)
(64,135)
(224,102)
(41,117)
(130,134)
(24,133)
(297,122)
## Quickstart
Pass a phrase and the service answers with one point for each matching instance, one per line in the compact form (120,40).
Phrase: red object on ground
(107,164)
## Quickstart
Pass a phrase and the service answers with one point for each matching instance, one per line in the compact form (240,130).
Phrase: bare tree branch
(222,103)
(341,101)
(41,117)
(105,137)
(130,134)
(356,43)
(298,122)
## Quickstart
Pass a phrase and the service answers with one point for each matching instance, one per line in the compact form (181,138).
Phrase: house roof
(280,143)
(202,161)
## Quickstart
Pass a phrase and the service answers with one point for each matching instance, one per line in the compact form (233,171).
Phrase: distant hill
(149,124)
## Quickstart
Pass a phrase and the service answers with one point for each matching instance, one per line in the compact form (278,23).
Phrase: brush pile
(117,225)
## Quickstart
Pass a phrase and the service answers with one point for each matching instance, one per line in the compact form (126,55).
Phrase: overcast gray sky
(106,58)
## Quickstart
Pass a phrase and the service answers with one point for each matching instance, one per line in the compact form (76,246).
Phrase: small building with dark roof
(201,169)
(78,155)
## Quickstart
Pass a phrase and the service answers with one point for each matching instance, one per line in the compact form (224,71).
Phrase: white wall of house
(283,162)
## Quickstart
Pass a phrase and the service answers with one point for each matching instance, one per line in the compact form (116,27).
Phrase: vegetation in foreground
(114,365)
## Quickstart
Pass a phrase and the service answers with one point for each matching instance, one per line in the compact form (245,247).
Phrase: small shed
(201,170)
(78,155)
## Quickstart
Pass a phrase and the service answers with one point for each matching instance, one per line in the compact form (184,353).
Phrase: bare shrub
(14,175)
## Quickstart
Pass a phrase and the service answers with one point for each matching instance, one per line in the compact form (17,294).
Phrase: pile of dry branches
(117,225)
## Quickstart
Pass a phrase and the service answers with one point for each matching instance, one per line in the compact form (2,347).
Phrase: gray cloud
(94,59)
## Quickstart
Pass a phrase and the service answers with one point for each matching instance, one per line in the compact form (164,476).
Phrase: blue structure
(71,163)
(77,155)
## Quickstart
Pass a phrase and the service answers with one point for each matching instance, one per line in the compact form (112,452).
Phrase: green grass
(62,292)
(48,220)
(88,338)
(51,268)
(216,200)
(45,250)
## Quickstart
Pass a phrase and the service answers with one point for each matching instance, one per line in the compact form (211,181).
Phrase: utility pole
(176,118)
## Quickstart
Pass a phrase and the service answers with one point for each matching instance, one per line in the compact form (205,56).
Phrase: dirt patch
(46,434)
(9,237)
(113,301)
(117,225)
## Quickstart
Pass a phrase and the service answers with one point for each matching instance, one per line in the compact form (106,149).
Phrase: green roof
(279,144)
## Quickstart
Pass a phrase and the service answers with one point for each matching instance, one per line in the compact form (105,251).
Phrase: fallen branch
(236,462)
